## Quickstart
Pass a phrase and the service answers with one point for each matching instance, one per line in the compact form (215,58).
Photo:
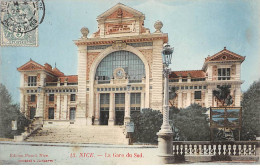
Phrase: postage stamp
(20,21)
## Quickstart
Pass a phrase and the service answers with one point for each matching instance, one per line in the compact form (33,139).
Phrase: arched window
(132,64)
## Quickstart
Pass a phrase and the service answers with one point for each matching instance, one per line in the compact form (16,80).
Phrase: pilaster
(157,73)
(58,110)
(82,82)
(111,120)
(127,107)
(180,100)
(97,110)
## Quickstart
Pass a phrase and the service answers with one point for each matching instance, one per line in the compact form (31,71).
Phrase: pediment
(120,11)
(225,55)
(29,66)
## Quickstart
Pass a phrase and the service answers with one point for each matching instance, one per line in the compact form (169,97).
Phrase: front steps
(83,134)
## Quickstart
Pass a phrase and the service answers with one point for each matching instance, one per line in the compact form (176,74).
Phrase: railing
(103,81)
(204,148)
(135,81)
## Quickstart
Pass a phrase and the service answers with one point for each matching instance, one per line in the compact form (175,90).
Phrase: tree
(8,113)
(222,94)
(251,112)
(147,124)
(192,123)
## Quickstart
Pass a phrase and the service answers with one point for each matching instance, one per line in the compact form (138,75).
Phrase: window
(197,95)
(32,80)
(72,97)
(135,98)
(32,112)
(104,98)
(184,80)
(72,113)
(131,63)
(33,97)
(224,74)
(120,98)
(51,97)
(51,113)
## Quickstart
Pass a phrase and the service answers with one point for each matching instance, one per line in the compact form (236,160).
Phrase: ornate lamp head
(167,54)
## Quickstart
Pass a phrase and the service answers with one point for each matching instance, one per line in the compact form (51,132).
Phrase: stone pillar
(206,99)
(180,100)
(82,85)
(111,120)
(238,96)
(210,72)
(22,102)
(97,110)
(142,100)
(40,107)
(157,67)
(210,96)
(238,67)
(58,110)
(188,103)
(127,107)
(65,106)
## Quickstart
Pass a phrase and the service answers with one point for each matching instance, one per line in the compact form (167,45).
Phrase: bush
(147,124)
(192,123)
(9,112)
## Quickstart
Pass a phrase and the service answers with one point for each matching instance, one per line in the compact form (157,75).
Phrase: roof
(185,74)
(225,55)
(33,66)
(70,79)
(122,7)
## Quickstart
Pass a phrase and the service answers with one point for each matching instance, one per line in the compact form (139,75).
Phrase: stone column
(22,102)
(210,96)
(157,67)
(188,103)
(127,107)
(180,100)
(82,85)
(238,66)
(65,106)
(40,107)
(142,100)
(111,120)
(58,116)
(206,99)
(238,96)
(97,110)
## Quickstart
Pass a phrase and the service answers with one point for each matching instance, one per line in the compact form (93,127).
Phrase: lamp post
(165,134)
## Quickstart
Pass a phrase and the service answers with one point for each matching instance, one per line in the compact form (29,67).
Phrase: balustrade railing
(238,148)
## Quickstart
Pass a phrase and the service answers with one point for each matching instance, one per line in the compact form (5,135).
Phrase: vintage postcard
(126,82)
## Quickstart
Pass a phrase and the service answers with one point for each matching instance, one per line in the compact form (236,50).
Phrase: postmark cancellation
(19,22)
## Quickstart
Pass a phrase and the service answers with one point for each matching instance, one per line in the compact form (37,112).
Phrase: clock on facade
(119,73)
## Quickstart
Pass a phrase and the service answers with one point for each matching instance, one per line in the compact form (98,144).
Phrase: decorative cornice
(126,39)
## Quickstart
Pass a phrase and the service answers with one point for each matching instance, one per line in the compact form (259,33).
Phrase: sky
(196,29)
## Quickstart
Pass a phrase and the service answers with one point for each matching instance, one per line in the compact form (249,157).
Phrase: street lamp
(165,134)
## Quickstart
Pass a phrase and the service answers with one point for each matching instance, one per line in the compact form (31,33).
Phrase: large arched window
(132,64)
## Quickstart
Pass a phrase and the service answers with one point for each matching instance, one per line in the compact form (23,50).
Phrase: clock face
(119,73)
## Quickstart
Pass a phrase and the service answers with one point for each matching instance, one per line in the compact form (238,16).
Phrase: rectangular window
(72,113)
(32,80)
(224,74)
(33,97)
(73,97)
(51,97)
(120,98)
(197,95)
(104,98)
(51,113)
(135,98)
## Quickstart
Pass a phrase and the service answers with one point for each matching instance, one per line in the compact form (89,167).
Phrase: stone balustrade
(196,149)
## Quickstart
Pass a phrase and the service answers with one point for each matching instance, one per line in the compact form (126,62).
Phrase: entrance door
(120,115)
(32,112)
(120,108)
(104,115)
(104,108)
